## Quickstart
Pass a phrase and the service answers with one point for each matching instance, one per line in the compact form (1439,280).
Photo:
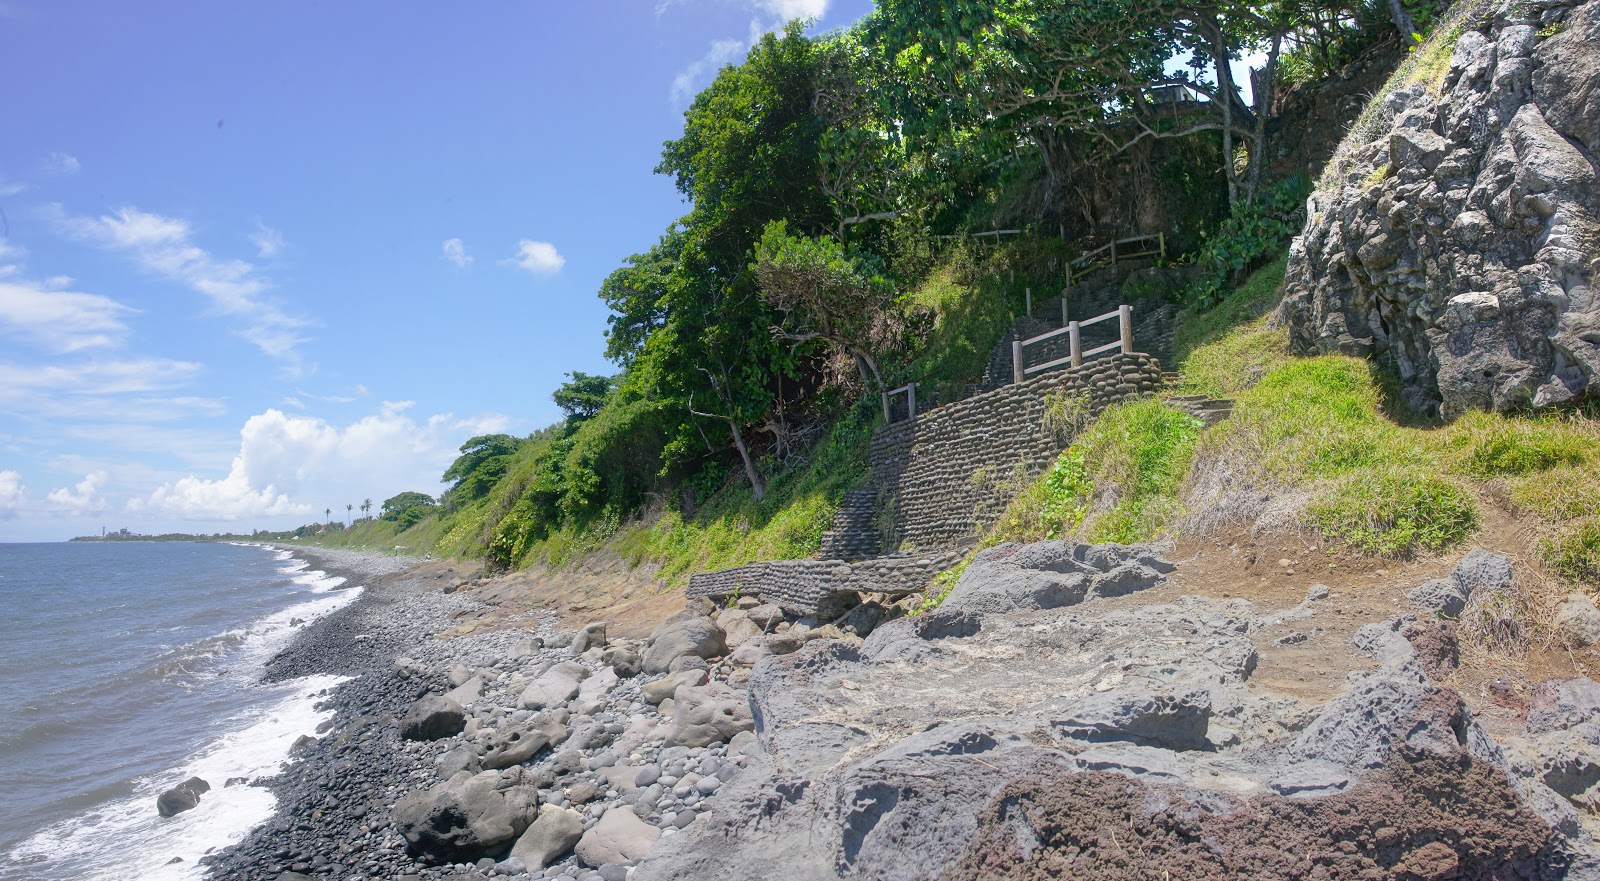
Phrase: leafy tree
(582,396)
(406,508)
(366,508)
(827,295)
(483,461)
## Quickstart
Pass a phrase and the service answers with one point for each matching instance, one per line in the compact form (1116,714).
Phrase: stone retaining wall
(949,473)
(802,587)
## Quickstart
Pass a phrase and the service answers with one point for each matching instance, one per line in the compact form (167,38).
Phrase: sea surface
(126,668)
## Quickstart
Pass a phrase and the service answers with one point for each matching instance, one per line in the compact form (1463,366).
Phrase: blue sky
(258,260)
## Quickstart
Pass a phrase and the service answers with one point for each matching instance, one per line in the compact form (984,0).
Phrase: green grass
(1222,351)
(1574,551)
(1395,512)
(1119,481)
(1488,446)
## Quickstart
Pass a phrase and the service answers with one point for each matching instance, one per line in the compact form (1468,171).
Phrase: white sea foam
(318,581)
(126,840)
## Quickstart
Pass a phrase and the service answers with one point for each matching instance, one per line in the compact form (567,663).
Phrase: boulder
(737,628)
(698,636)
(527,648)
(599,685)
(1578,622)
(554,686)
(515,743)
(433,718)
(708,714)
(183,797)
(550,837)
(766,616)
(467,818)
(591,636)
(1171,721)
(784,643)
(1052,574)
(624,660)
(1438,596)
(619,837)
(1482,570)
(661,689)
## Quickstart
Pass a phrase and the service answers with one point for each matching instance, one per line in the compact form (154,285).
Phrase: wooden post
(1163,237)
(1063,308)
(885,408)
(1027,294)
(1075,339)
(1016,360)
(1126,314)
(911,400)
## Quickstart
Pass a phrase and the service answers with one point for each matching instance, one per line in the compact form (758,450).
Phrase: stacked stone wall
(949,473)
(802,587)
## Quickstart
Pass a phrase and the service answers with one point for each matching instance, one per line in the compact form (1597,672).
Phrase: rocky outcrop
(1456,236)
(185,796)
(468,816)
(1074,736)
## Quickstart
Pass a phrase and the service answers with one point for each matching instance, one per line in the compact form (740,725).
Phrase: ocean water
(126,668)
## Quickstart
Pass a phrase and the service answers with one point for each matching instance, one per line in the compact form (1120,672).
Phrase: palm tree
(328,512)
(347,510)
(366,508)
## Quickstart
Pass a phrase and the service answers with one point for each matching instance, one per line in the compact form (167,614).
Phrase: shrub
(1137,455)
(1253,232)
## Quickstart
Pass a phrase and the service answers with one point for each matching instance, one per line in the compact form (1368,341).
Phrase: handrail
(1075,346)
(1084,261)
(910,390)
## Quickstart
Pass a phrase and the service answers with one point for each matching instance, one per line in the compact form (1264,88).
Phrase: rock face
(1456,236)
(468,816)
(182,797)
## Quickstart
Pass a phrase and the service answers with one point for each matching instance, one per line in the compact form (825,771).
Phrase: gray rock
(1173,721)
(1457,238)
(433,718)
(766,616)
(466,818)
(549,838)
(461,758)
(784,643)
(624,660)
(1439,596)
(185,796)
(1563,703)
(591,636)
(459,674)
(554,687)
(1482,570)
(515,743)
(737,628)
(661,689)
(1577,622)
(708,714)
(698,636)
(1051,575)
(619,837)
(527,648)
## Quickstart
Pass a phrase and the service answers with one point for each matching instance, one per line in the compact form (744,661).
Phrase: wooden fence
(1075,347)
(1118,249)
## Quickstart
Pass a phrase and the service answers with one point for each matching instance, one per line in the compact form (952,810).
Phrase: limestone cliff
(1455,235)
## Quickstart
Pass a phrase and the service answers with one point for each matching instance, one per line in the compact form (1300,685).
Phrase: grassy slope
(1372,479)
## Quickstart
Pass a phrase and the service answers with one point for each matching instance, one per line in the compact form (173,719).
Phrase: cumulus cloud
(539,258)
(165,246)
(12,494)
(58,320)
(769,15)
(83,497)
(297,465)
(455,251)
(268,241)
(62,164)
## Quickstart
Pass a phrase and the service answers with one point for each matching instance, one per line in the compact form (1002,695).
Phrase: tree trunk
(1265,87)
(756,489)
(1225,93)
(1403,22)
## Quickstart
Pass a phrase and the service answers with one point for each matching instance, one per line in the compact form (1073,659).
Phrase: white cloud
(297,465)
(58,320)
(268,241)
(9,251)
(84,497)
(12,188)
(769,15)
(164,246)
(12,494)
(62,164)
(114,377)
(455,251)
(692,78)
(539,258)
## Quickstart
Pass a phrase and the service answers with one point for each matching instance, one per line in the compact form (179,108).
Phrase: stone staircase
(853,534)
(1207,410)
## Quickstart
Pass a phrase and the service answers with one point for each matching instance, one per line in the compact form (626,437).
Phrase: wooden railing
(910,391)
(1118,249)
(1075,345)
